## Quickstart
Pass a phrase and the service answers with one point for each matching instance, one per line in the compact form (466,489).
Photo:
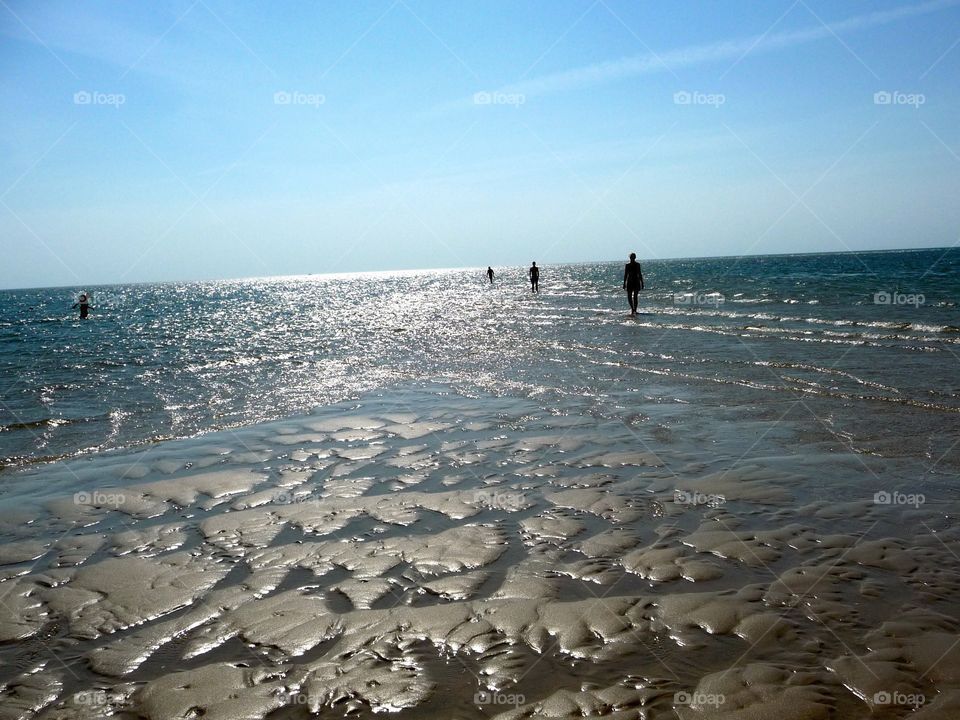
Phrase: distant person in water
(633,282)
(83,302)
(534,273)
(490,273)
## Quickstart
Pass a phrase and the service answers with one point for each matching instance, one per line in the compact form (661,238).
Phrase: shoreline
(786,325)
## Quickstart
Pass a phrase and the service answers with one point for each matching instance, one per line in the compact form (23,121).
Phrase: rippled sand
(439,556)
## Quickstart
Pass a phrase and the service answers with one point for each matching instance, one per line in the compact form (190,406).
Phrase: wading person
(83,302)
(534,273)
(633,282)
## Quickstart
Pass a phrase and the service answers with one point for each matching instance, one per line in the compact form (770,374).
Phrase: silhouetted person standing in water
(490,274)
(633,282)
(534,273)
(83,302)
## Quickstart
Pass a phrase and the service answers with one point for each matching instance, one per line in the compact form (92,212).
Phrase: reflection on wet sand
(442,556)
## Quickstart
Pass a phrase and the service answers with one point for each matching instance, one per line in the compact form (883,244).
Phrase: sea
(427,494)
(874,335)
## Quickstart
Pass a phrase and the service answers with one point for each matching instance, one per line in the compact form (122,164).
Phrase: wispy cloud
(183,43)
(672,60)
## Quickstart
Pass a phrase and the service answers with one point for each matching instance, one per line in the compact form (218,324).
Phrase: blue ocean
(878,334)
(425,494)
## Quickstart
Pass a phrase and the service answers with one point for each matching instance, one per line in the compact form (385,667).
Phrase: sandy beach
(436,555)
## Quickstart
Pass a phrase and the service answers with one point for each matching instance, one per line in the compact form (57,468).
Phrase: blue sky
(198,139)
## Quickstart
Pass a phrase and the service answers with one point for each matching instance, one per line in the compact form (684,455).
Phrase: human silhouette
(83,302)
(534,273)
(633,282)
(490,273)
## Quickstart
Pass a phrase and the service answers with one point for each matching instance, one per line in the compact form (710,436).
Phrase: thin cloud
(604,72)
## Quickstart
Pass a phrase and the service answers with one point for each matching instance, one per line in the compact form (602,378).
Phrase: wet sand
(435,555)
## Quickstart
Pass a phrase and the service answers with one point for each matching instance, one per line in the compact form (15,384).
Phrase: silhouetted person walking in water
(490,273)
(83,302)
(633,282)
(534,273)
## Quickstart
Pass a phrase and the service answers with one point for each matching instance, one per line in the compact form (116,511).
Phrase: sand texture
(438,556)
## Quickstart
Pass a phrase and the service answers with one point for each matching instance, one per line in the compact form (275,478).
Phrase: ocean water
(420,494)
(172,360)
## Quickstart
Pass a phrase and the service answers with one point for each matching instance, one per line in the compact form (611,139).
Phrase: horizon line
(413,271)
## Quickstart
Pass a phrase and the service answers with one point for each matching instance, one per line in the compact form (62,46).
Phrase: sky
(203,139)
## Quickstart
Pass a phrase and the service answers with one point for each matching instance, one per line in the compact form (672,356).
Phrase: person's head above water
(83,296)
(534,262)
(633,256)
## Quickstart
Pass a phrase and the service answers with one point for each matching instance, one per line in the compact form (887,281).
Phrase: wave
(884,324)
(934,328)
(33,424)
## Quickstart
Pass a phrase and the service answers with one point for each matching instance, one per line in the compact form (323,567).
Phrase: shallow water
(172,360)
(558,512)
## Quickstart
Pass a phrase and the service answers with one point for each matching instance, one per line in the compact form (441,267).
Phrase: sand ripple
(439,556)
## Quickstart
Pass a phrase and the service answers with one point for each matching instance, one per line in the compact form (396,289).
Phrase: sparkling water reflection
(172,360)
